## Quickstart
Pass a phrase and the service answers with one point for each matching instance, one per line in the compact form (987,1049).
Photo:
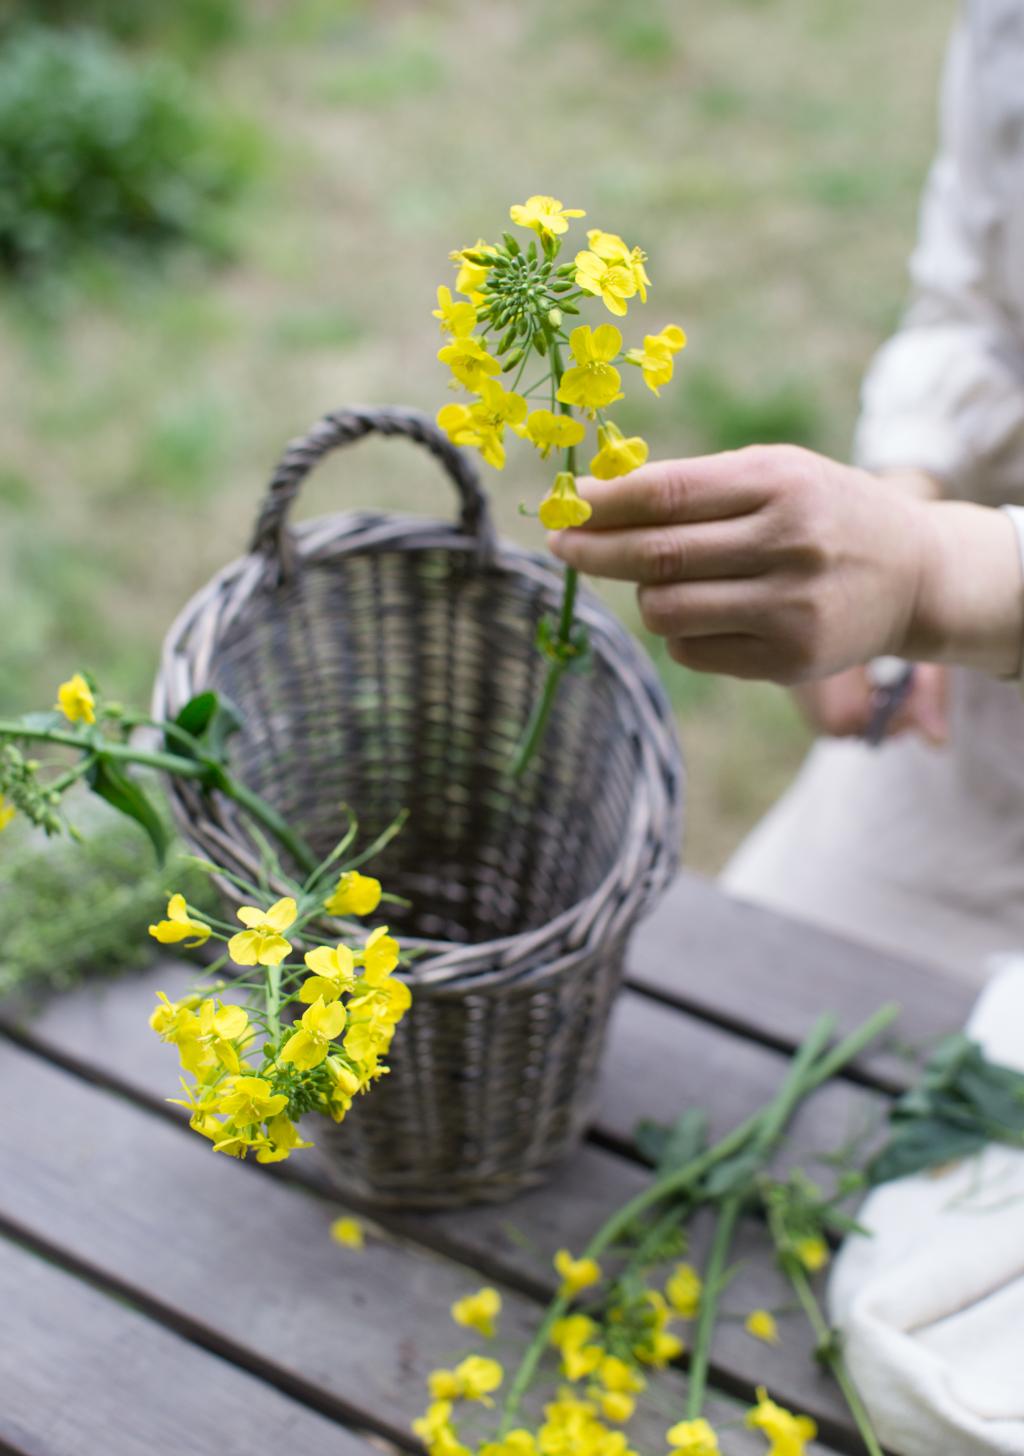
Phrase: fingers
(652,555)
(734,655)
(699,609)
(666,492)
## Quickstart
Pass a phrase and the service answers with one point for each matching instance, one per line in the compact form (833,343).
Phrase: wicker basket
(388,663)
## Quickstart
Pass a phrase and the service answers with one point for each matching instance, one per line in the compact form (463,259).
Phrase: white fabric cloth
(931,1307)
(918,849)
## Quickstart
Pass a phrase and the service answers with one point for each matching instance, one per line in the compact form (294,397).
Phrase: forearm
(969,604)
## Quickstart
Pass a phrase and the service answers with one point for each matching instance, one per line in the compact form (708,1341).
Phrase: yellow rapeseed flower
(249,1100)
(478,1311)
(334,973)
(308,1047)
(545,215)
(7,812)
(75,700)
(549,431)
(472,276)
(262,943)
(617,455)
(483,424)
(684,1290)
(761,1324)
(456,317)
(354,894)
(693,1438)
(656,356)
(348,1232)
(812,1251)
(379,956)
(469,362)
(563,506)
(576,1274)
(592,383)
(616,1405)
(516,1443)
(179,926)
(787,1433)
(283,1138)
(612,282)
(474,1378)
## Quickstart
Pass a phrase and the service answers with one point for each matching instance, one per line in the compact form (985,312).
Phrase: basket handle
(272,537)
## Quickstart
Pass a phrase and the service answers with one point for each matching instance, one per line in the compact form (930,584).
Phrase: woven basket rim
(630,883)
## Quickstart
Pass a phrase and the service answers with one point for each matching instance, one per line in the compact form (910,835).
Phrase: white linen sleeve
(946,393)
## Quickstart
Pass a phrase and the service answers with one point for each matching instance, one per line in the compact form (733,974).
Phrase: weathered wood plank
(238,1259)
(81,1373)
(769,976)
(105,1028)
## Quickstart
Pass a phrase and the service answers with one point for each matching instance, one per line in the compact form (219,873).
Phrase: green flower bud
(540,343)
(569,307)
(511,244)
(555,317)
(512,360)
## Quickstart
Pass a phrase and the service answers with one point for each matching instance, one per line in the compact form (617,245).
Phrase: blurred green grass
(766,153)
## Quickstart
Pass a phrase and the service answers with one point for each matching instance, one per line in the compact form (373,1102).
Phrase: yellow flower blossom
(572,1330)
(812,1251)
(474,1378)
(249,1100)
(760,1323)
(545,215)
(472,276)
(563,506)
(684,1290)
(172,1020)
(354,894)
(345,1083)
(614,1373)
(379,956)
(456,317)
(179,926)
(592,383)
(787,1433)
(611,248)
(515,1443)
(75,700)
(616,1405)
(612,282)
(483,424)
(214,1041)
(656,356)
(576,1274)
(693,1438)
(549,431)
(262,943)
(659,1345)
(617,455)
(348,1232)
(478,1311)
(469,362)
(7,812)
(283,1138)
(334,973)
(307,1048)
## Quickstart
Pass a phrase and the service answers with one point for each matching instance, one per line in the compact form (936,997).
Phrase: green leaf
(44,722)
(211,719)
(669,1148)
(732,1175)
(927,1142)
(123,794)
(195,715)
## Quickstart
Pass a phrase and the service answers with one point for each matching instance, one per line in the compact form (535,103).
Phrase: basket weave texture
(387,663)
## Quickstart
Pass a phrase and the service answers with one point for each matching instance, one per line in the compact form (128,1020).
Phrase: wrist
(916,483)
(969,598)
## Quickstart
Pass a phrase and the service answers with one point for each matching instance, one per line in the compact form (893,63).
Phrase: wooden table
(132,1324)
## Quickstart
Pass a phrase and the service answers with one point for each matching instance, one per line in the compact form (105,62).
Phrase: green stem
(828,1349)
(767,1125)
(714,1282)
(180,767)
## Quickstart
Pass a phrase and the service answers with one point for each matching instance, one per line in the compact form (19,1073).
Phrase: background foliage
(767,153)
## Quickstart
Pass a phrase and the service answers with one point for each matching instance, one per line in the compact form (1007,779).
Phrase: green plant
(191,26)
(101,152)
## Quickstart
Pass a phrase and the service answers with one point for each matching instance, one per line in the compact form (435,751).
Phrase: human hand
(842,706)
(774,562)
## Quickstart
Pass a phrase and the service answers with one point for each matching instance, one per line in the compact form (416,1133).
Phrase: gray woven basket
(388,663)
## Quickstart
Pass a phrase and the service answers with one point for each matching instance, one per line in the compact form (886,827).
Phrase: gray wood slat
(132,1199)
(81,1374)
(104,1027)
(769,976)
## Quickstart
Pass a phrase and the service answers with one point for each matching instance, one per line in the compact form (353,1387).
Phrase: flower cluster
(352,1004)
(508,316)
(599,1377)
(514,303)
